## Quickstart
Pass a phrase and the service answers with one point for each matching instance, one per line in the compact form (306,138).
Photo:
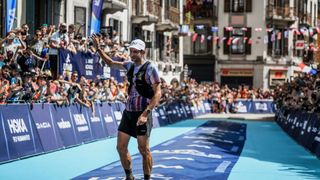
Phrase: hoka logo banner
(17,126)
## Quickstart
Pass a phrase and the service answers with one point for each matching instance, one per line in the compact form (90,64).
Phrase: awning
(143,20)
(168,26)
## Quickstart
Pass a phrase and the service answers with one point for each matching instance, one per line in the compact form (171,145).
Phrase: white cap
(138,44)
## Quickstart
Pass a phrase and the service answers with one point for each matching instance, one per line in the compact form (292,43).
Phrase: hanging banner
(95,17)
(10,14)
(20,130)
(46,126)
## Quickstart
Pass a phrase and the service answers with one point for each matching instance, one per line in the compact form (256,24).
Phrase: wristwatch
(148,111)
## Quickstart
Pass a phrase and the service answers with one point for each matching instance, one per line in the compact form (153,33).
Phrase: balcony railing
(154,8)
(200,12)
(275,12)
(174,15)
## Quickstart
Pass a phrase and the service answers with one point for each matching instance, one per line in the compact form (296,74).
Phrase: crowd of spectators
(222,98)
(302,93)
(28,73)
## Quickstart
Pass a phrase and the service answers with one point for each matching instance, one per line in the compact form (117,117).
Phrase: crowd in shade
(302,93)
(28,73)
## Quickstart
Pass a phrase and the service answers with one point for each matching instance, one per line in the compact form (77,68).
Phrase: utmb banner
(86,64)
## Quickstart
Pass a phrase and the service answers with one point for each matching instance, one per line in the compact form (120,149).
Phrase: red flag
(229,41)
(202,38)
(194,37)
(279,35)
(250,41)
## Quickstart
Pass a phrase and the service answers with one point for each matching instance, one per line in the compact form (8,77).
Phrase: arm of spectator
(103,55)
(72,48)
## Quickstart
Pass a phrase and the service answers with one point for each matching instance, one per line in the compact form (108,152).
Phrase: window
(278,42)
(80,19)
(175,3)
(237,6)
(237,45)
(237,41)
(202,45)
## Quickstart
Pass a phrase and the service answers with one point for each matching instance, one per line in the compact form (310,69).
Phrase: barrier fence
(27,130)
(302,127)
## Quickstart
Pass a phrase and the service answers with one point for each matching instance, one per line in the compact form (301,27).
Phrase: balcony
(154,8)
(174,15)
(202,12)
(146,18)
(115,5)
(276,13)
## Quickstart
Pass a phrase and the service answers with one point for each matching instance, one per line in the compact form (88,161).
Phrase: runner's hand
(142,119)
(96,41)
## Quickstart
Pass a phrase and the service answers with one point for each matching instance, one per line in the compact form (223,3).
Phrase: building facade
(262,42)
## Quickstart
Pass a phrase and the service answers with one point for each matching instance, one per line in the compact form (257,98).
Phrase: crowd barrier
(27,130)
(302,127)
(31,129)
(259,106)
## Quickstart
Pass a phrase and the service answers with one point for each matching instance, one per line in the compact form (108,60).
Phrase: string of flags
(275,34)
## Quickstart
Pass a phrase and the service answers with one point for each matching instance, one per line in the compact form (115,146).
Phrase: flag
(10,14)
(266,39)
(245,39)
(214,29)
(194,37)
(286,34)
(229,41)
(250,41)
(244,29)
(95,18)
(229,28)
(279,35)
(235,40)
(202,38)
(311,31)
(273,37)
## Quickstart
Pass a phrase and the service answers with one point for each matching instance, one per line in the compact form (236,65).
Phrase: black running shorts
(129,126)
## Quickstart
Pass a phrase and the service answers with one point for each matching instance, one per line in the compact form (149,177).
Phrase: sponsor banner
(304,134)
(4,150)
(117,112)
(46,127)
(20,131)
(63,120)
(207,106)
(81,123)
(243,106)
(155,118)
(96,122)
(163,118)
(262,107)
(171,113)
(108,118)
(187,107)
(213,148)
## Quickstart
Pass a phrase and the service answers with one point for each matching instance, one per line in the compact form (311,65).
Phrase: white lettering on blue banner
(64,124)
(178,158)
(17,126)
(21,138)
(108,119)
(43,125)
